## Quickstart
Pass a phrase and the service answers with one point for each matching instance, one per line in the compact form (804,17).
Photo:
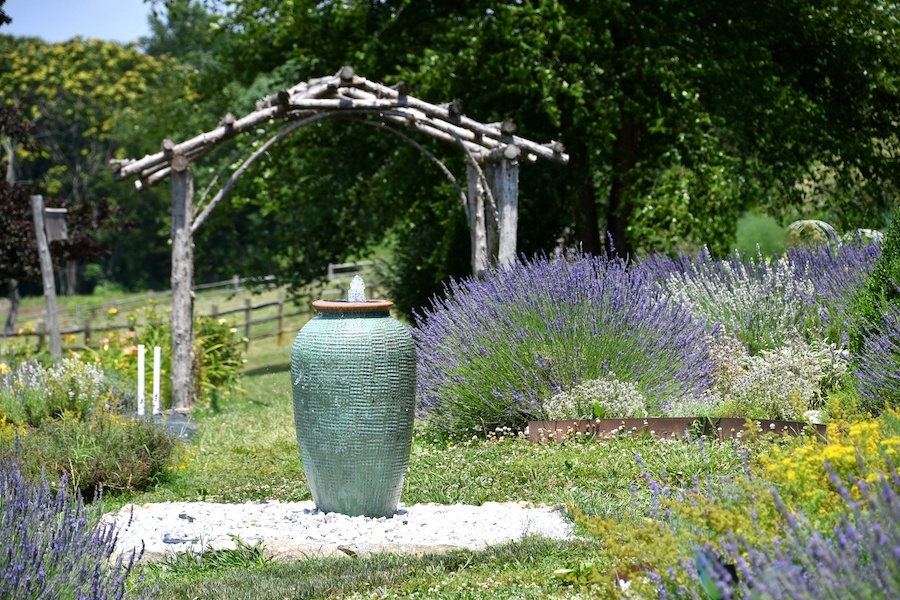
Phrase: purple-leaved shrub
(493,351)
(51,546)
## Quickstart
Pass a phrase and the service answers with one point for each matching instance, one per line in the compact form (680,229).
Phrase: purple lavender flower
(858,559)
(51,546)
(877,363)
(525,333)
(809,292)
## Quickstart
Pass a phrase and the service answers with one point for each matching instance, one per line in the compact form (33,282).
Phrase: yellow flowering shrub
(8,430)
(627,549)
(738,507)
(854,450)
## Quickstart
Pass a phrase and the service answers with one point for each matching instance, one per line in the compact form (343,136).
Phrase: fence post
(280,317)
(140,380)
(46,262)
(248,315)
(87,332)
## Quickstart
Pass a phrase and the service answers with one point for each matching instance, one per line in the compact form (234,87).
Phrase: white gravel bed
(295,530)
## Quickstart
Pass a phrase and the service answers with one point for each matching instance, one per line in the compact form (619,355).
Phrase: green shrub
(600,398)
(218,353)
(31,393)
(218,359)
(121,453)
(759,234)
(881,287)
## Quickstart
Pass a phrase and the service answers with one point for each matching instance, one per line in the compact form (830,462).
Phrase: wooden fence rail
(257,320)
(287,319)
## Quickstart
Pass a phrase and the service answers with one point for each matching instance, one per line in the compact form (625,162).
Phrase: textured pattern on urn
(353,379)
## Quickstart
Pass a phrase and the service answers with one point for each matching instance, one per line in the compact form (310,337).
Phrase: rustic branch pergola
(492,151)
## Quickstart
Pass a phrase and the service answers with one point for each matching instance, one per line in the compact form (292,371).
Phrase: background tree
(14,131)
(74,93)
(678,117)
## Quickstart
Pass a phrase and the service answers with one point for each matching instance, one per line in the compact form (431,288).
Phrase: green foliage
(597,398)
(242,556)
(510,571)
(883,287)
(69,420)
(218,356)
(31,394)
(119,453)
(774,384)
(419,266)
(759,234)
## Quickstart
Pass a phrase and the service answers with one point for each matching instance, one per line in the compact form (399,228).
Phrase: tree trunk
(587,226)
(618,209)
(68,278)
(14,298)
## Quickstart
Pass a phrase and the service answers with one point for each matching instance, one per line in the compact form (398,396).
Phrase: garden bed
(665,428)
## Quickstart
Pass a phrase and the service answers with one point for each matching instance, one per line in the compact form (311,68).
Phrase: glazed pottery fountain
(353,380)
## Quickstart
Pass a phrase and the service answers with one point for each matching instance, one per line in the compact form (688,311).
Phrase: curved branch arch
(347,96)
(285,131)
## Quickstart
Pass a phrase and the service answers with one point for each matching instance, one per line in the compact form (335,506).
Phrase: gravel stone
(296,530)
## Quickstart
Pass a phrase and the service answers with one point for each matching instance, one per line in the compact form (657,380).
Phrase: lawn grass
(246,449)
(518,570)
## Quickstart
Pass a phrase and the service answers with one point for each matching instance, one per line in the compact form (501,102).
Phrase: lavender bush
(759,301)
(838,275)
(51,546)
(860,559)
(496,349)
(877,363)
(809,292)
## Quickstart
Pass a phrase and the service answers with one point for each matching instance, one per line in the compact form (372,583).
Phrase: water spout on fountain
(357,291)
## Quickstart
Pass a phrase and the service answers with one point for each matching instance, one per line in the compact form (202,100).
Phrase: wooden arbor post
(502,173)
(182,288)
(493,211)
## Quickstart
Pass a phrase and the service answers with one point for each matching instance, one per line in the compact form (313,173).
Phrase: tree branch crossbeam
(344,92)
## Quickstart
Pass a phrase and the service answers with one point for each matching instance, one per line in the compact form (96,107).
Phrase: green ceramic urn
(353,374)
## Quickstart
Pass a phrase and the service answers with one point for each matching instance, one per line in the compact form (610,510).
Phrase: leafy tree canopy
(678,117)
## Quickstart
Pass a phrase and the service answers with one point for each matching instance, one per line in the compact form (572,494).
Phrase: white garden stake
(156,362)
(140,382)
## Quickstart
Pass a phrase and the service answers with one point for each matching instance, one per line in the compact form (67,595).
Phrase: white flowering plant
(597,398)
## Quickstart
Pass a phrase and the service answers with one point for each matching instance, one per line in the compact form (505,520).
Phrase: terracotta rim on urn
(345,306)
